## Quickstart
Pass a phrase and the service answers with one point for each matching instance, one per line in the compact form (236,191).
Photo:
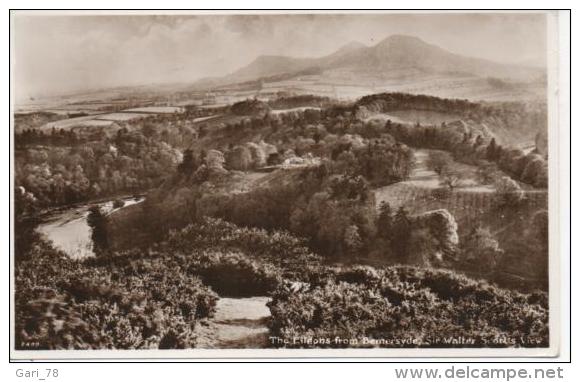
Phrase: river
(69,231)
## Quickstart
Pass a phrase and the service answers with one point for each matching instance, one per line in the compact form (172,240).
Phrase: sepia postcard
(190,185)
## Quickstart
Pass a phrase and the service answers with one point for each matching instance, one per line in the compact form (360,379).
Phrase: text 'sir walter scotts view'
(280,181)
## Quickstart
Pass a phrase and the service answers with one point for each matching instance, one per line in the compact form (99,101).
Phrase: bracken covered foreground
(156,298)
(407,307)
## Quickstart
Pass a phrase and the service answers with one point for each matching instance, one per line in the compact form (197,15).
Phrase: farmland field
(120,117)
(156,109)
(424,117)
(203,119)
(107,119)
(295,109)
(66,124)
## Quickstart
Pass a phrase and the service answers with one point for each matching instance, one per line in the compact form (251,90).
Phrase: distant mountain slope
(265,66)
(395,53)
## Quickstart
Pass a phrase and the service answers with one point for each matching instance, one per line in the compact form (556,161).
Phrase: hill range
(398,63)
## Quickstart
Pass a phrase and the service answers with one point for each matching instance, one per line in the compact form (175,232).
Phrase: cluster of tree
(29,121)
(54,137)
(350,164)
(253,107)
(467,145)
(291,102)
(481,251)
(515,118)
(25,222)
(250,156)
(381,161)
(483,254)
(201,167)
(394,231)
(529,168)
(314,130)
(378,157)
(331,204)
(336,213)
(339,218)
(128,162)
(385,102)
(97,221)
(509,192)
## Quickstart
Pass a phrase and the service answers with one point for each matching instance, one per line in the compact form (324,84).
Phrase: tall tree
(481,250)
(352,240)
(187,165)
(98,223)
(385,221)
(492,151)
(239,158)
(401,234)
(509,192)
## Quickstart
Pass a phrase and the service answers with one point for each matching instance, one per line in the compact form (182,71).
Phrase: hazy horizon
(63,54)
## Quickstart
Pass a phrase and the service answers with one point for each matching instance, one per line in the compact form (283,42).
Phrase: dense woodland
(67,166)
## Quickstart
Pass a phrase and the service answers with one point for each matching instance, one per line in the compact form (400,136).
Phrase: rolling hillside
(397,63)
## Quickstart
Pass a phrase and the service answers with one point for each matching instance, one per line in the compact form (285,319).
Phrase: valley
(294,198)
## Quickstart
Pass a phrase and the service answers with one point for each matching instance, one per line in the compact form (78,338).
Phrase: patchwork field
(120,117)
(69,123)
(107,119)
(283,111)
(424,117)
(157,110)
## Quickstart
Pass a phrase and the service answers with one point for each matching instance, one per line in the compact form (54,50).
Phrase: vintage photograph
(283,181)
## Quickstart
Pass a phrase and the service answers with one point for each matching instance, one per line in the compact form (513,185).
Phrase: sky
(57,54)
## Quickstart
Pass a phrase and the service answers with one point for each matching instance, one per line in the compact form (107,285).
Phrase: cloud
(54,54)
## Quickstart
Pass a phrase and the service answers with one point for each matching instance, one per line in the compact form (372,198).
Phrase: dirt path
(238,323)
(421,176)
(422,181)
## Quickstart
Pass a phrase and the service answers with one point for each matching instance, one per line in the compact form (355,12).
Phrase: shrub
(277,248)
(114,301)
(97,220)
(407,307)
(481,250)
(361,274)
(509,192)
(118,203)
(233,274)
(45,320)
